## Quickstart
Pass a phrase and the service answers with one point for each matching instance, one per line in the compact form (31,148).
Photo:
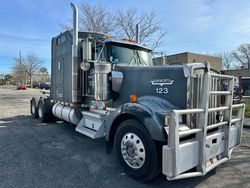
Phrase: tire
(33,108)
(136,152)
(44,111)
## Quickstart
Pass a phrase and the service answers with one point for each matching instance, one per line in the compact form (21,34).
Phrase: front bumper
(195,152)
(189,155)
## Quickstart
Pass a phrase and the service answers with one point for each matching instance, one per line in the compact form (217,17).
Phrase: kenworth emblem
(161,82)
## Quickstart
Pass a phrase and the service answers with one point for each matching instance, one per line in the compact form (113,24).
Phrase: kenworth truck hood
(166,82)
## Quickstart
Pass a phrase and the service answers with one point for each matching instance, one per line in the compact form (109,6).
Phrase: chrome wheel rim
(40,111)
(133,150)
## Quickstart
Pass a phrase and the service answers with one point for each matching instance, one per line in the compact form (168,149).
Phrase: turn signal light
(133,98)
(107,36)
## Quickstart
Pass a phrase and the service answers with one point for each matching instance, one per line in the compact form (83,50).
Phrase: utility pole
(20,57)
(20,65)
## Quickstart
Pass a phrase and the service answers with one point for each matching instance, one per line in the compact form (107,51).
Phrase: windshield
(129,55)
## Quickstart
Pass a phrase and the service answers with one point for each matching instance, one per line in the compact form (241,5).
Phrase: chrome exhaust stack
(137,35)
(74,54)
(75,66)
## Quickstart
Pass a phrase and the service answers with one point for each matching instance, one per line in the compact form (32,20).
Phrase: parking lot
(54,155)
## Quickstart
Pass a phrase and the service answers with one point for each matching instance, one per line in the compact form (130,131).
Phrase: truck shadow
(67,137)
(20,120)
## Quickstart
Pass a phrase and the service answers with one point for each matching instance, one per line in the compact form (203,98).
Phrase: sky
(199,26)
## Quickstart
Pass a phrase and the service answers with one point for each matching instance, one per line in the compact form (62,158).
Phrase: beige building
(188,57)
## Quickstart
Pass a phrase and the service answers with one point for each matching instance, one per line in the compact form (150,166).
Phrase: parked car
(45,86)
(35,85)
(21,87)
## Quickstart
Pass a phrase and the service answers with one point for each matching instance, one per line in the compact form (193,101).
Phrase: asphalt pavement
(54,155)
(247,122)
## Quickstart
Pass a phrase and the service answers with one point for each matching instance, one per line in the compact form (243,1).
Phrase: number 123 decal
(161,90)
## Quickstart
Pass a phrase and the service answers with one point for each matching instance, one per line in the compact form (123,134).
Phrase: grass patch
(235,111)
(247,111)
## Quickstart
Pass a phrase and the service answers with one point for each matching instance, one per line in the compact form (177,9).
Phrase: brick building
(188,57)
(243,76)
(237,72)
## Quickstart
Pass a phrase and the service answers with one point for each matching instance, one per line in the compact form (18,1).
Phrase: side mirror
(85,65)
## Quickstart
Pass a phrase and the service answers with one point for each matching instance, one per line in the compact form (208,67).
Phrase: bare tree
(18,70)
(24,69)
(8,79)
(32,66)
(242,55)
(5,79)
(43,75)
(121,23)
(227,60)
(150,27)
(2,79)
(94,18)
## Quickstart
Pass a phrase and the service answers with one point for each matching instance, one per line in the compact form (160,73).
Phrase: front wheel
(136,152)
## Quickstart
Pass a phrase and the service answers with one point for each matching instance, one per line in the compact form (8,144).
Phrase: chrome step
(92,125)
(86,131)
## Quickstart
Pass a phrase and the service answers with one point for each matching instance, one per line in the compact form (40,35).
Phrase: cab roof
(125,42)
(102,37)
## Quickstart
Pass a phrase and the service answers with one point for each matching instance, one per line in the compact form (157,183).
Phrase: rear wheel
(136,152)
(33,108)
(44,111)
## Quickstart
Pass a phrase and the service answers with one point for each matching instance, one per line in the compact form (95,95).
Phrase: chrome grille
(195,97)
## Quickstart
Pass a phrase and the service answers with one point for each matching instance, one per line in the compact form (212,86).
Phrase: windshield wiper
(100,53)
(132,58)
(140,59)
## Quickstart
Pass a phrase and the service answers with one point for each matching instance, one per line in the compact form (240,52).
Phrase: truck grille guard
(206,149)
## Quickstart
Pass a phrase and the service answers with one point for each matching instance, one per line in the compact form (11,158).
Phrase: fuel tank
(166,82)
(65,113)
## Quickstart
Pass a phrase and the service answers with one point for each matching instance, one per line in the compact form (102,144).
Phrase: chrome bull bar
(206,145)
